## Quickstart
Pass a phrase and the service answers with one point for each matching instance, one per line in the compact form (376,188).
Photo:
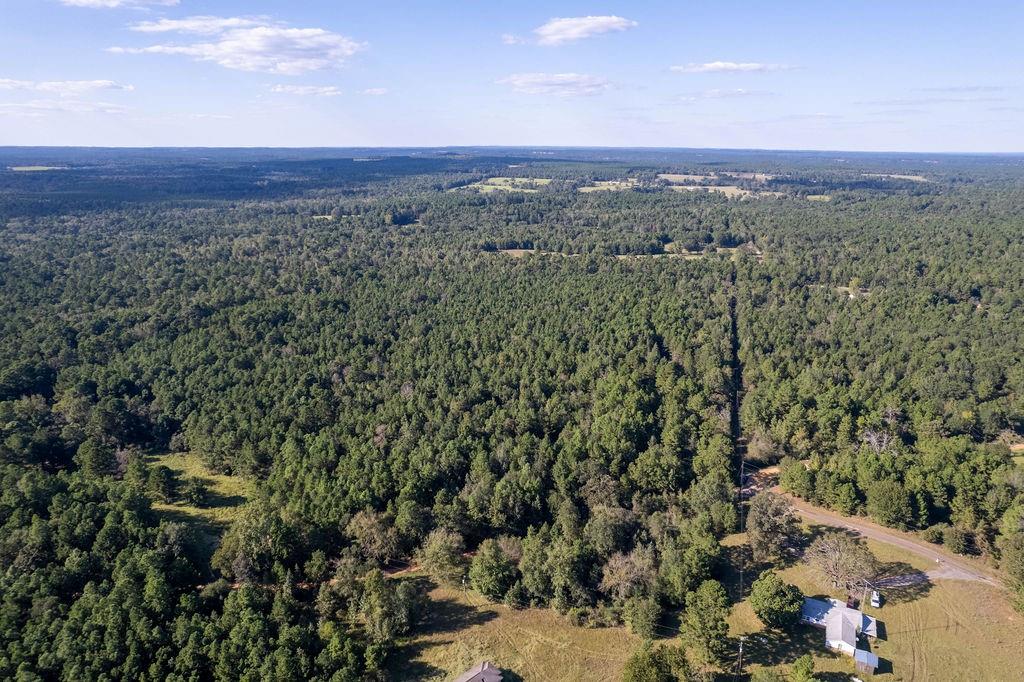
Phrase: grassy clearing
(224,499)
(682,178)
(506,184)
(819,197)
(610,185)
(35,169)
(897,176)
(535,644)
(727,190)
(947,629)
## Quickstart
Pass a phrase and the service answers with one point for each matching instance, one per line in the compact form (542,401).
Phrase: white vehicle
(876,599)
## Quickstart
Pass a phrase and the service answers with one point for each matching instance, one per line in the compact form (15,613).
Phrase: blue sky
(856,75)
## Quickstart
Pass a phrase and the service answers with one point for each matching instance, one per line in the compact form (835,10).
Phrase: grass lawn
(942,630)
(533,644)
(224,497)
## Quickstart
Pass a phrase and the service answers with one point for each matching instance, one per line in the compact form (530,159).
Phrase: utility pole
(739,662)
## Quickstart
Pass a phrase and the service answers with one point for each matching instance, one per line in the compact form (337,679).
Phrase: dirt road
(946,565)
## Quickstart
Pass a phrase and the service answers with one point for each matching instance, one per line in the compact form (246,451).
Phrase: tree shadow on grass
(899,582)
(774,647)
(403,663)
(450,615)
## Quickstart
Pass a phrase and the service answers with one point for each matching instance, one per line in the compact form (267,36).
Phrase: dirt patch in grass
(819,197)
(535,644)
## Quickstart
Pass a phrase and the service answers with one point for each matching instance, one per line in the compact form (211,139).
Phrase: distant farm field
(536,644)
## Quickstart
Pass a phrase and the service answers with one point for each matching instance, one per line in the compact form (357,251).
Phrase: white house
(842,626)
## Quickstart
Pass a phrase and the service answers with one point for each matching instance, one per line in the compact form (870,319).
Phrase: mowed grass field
(935,630)
(535,644)
(225,496)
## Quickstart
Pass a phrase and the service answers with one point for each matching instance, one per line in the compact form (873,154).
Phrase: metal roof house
(481,672)
(842,626)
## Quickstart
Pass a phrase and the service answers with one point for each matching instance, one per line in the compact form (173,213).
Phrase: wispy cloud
(374,92)
(114,4)
(965,88)
(717,93)
(562,30)
(44,107)
(62,88)
(251,44)
(729,67)
(317,90)
(922,101)
(556,84)
(512,39)
(203,24)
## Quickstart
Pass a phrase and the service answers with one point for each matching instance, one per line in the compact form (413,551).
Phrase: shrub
(775,602)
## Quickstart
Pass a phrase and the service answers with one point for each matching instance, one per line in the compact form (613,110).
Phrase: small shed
(483,671)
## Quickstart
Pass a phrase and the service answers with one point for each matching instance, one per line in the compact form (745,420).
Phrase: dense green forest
(345,331)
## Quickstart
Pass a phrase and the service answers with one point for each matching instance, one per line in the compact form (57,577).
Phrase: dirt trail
(947,566)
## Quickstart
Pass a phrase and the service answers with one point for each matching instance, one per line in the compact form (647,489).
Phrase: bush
(643,614)
(491,573)
(957,539)
(935,534)
(517,596)
(889,505)
(775,602)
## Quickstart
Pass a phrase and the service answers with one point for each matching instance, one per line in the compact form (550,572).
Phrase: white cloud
(729,67)
(563,30)
(512,39)
(317,90)
(556,84)
(62,88)
(113,4)
(198,24)
(42,107)
(374,92)
(250,44)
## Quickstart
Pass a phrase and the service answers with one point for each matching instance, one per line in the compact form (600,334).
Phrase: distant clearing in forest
(505,184)
(684,177)
(819,197)
(727,190)
(610,185)
(897,176)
